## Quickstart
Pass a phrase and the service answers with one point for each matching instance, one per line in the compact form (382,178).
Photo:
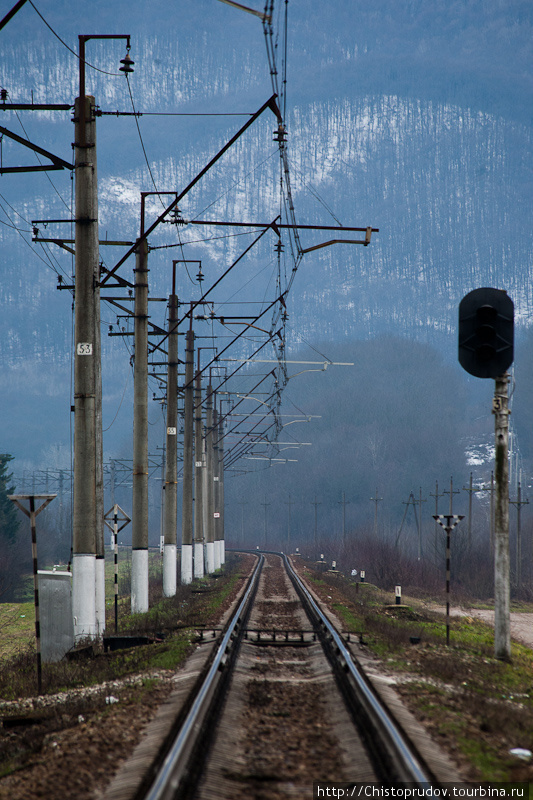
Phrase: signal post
(502,594)
(486,350)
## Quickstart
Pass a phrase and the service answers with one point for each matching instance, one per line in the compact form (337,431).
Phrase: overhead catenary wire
(73,52)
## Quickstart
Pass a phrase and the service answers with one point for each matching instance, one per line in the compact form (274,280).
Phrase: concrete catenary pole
(222,539)
(209,563)
(216,487)
(100,511)
(210,532)
(198,477)
(502,599)
(170,512)
(139,516)
(187,504)
(86,352)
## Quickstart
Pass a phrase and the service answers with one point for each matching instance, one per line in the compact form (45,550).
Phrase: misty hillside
(410,119)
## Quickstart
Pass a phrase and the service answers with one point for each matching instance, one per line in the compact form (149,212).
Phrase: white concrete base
(198,560)
(186,563)
(169,570)
(139,581)
(216,554)
(210,558)
(100,596)
(84,595)
(222,552)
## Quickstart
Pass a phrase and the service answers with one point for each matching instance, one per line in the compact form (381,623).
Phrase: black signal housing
(486,332)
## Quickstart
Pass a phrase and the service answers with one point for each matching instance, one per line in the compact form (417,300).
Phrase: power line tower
(436,496)
(289,503)
(265,506)
(316,504)
(519,503)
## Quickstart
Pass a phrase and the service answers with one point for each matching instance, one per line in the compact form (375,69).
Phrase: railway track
(282,705)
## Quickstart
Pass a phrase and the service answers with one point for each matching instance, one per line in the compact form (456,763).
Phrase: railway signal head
(486,332)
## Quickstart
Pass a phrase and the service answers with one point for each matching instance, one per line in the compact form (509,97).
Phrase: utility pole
(242,503)
(502,598)
(289,503)
(88,598)
(216,486)
(315,504)
(492,512)
(212,565)
(420,501)
(519,503)
(199,468)
(86,322)
(162,510)
(221,489)
(112,481)
(410,501)
(139,516)
(188,422)
(451,491)
(470,491)
(375,500)
(170,515)
(436,496)
(265,506)
(448,522)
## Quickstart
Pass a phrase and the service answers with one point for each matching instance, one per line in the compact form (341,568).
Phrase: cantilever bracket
(57,162)
(365,241)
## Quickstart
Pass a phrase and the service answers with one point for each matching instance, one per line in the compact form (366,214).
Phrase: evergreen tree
(9,522)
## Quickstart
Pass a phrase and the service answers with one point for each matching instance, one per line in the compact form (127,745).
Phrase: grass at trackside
(17,626)
(476,705)
(170,622)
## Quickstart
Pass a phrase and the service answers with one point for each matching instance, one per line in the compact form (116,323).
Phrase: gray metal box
(55,604)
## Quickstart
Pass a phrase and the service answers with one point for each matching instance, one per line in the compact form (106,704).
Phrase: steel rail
(174,771)
(388,745)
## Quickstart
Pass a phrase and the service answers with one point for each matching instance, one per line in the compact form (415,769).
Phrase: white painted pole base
(84,595)
(210,558)
(100,596)
(216,556)
(198,560)
(169,570)
(222,551)
(186,563)
(139,581)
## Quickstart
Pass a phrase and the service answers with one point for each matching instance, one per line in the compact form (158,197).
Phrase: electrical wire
(202,241)
(104,430)
(76,55)
(316,195)
(20,233)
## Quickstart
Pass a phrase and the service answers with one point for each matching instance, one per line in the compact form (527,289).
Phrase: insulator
(281,134)
(127,64)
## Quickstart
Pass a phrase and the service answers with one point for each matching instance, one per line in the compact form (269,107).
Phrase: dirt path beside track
(521,623)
